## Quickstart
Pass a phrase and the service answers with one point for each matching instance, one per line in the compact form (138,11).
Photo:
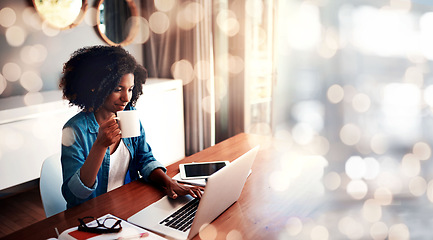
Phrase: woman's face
(121,96)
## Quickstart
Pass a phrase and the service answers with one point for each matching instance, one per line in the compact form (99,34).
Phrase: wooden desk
(260,213)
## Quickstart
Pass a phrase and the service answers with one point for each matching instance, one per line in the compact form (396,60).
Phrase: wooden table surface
(261,212)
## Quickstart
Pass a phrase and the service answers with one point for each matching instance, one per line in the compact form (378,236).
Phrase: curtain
(180,47)
(245,66)
(229,51)
(223,50)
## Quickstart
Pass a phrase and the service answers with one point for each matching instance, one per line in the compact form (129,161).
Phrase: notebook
(222,189)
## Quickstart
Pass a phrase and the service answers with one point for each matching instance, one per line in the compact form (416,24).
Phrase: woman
(102,80)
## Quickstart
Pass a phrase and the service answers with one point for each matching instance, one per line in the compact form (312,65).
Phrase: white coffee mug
(129,123)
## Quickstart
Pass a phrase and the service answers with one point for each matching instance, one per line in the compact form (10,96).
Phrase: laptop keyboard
(182,218)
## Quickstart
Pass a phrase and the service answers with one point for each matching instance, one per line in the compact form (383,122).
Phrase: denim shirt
(79,134)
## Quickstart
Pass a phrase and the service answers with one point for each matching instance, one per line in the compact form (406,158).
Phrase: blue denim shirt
(79,134)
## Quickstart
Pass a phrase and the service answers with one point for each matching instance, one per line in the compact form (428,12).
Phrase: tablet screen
(202,169)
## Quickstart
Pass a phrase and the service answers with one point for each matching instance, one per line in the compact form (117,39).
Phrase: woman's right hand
(109,132)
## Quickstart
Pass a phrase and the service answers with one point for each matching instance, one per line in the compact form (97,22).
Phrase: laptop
(223,188)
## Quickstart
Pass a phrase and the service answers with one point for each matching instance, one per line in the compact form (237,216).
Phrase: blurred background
(354,89)
(345,87)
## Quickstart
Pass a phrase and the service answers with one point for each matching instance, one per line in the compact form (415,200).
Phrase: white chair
(50,186)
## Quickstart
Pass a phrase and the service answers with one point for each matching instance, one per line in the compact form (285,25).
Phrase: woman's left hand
(172,188)
(175,189)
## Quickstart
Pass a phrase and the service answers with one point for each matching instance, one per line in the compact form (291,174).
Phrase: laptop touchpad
(168,203)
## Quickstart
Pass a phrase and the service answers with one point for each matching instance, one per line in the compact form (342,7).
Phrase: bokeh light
(417,186)
(183,69)
(332,181)
(68,137)
(335,93)
(228,22)
(143,32)
(372,210)
(7,17)
(294,226)
(319,233)
(208,231)
(351,228)
(379,143)
(31,81)
(350,134)
(33,54)
(379,231)
(159,22)
(399,231)
(357,189)
(422,150)
(208,104)
(33,98)
(11,71)
(383,196)
(234,235)
(15,36)
(164,5)
(410,165)
(361,102)
(193,12)
(355,167)
(184,21)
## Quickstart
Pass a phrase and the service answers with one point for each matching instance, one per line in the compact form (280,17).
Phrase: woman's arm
(108,134)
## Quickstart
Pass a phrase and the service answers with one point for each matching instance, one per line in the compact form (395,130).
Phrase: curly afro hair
(93,73)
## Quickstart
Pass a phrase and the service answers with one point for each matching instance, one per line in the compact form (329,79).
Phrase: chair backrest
(50,185)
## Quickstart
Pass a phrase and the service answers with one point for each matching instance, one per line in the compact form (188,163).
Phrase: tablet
(200,169)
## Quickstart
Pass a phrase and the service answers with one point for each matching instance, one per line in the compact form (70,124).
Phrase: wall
(41,55)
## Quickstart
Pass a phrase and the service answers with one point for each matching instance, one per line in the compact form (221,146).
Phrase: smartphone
(200,169)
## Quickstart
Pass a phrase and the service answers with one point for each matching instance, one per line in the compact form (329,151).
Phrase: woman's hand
(109,132)
(171,187)
(175,189)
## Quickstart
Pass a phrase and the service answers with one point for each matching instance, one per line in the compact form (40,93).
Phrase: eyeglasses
(108,225)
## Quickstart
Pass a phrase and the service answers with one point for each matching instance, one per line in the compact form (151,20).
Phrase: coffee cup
(129,123)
